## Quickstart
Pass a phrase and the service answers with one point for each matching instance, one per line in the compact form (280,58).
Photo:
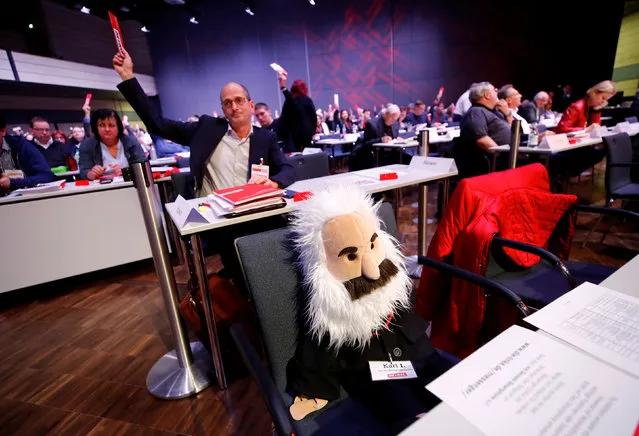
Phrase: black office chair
(310,166)
(618,178)
(552,277)
(619,163)
(272,280)
(469,165)
(183,162)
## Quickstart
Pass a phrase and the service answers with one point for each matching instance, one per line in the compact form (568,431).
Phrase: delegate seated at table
(109,150)
(222,151)
(485,125)
(16,153)
(584,113)
(383,128)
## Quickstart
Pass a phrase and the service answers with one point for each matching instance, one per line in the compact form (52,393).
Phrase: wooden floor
(75,354)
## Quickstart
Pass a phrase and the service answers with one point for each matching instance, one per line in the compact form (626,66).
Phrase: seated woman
(584,113)
(110,149)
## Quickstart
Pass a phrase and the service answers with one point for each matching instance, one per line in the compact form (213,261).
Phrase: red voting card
(87,100)
(117,32)
(388,176)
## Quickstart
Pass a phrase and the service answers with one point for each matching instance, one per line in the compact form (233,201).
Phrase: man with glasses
(54,152)
(222,149)
(512,97)
(222,153)
(485,125)
(532,112)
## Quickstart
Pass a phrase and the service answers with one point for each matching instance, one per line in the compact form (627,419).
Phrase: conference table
(444,420)
(71,231)
(548,152)
(368,180)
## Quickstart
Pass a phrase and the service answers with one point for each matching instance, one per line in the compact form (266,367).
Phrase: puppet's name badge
(259,170)
(395,370)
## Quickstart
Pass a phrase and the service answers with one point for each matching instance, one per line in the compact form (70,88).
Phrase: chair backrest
(467,163)
(618,151)
(310,166)
(632,120)
(272,279)
(183,162)
(184,185)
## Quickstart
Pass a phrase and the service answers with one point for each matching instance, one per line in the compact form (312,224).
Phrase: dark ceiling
(139,10)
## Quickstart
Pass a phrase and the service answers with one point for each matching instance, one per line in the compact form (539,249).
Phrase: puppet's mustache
(360,286)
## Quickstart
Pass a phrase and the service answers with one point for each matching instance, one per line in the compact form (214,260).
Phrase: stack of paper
(246,198)
(58,185)
(578,375)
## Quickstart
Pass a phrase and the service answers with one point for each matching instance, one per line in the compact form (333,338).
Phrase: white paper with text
(600,321)
(523,383)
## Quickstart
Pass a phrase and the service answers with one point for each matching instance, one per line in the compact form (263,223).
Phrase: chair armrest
(279,412)
(624,164)
(478,280)
(544,254)
(606,211)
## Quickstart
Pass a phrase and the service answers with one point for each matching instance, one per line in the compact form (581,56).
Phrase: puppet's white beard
(331,312)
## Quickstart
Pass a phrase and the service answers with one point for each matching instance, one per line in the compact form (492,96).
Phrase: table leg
(422,220)
(202,278)
(445,194)
(377,155)
(401,155)
(494,165)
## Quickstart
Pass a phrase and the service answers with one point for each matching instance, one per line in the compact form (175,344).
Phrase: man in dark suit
(222,151)
(383,128)
(532,112)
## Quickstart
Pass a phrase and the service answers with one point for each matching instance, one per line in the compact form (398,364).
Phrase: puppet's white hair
(329,309)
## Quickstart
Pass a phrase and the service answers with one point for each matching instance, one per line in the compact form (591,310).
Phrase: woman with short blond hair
(586,113)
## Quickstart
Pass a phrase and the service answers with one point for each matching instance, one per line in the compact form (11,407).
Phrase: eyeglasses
(42,130)
(239,101)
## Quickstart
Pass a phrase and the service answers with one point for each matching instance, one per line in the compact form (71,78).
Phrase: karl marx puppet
(357,323)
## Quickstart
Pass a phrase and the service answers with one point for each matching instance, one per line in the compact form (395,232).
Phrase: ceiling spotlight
(125,9)
(249,11)
(312,2)
(194,20)
(30,26)
(85,10)
(144,29)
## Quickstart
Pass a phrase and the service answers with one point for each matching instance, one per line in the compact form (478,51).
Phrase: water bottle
(533,137)
(354,128)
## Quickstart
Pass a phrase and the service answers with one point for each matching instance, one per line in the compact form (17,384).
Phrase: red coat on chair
(516,204)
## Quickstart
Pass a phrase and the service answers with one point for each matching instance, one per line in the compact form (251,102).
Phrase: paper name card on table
(622,127)
(600,321)
(524,383)
(432,164)
(600,132)
(553,142)
(351,137)
(310,150)
(185,213)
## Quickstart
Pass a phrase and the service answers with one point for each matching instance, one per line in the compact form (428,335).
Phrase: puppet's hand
(303,405)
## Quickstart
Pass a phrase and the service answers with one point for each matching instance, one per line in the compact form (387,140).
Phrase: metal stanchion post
(422,219)
(424,142)
(514,143)
(184,371)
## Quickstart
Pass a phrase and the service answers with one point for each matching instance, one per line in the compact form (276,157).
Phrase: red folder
(117,33)
(87,100)
(247,193)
